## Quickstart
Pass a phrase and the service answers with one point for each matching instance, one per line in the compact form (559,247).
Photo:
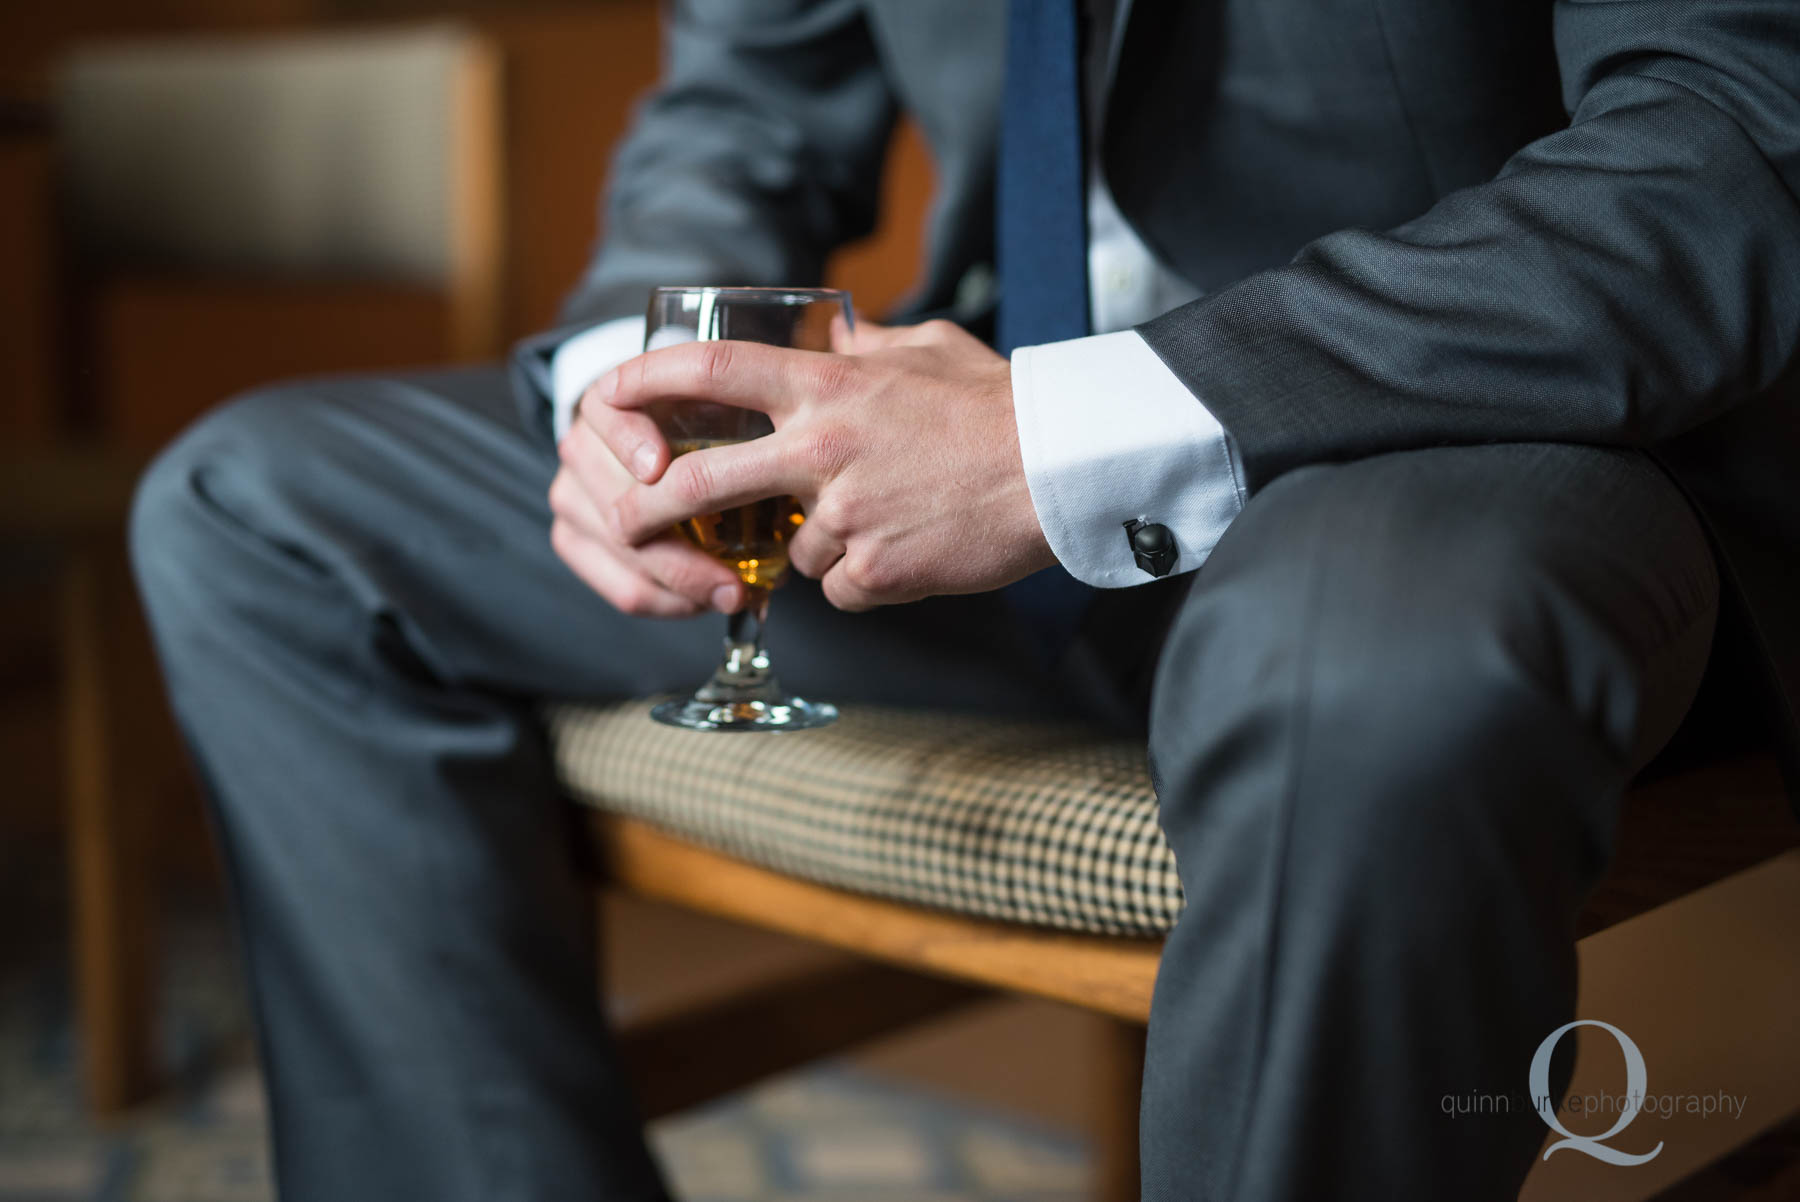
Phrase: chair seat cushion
(1045,824)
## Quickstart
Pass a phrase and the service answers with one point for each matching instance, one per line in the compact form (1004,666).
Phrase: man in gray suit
(1449,340)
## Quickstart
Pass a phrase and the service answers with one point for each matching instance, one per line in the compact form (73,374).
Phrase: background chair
(237,209)
(248,207)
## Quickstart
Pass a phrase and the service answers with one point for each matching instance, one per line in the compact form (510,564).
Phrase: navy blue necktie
(1043,239)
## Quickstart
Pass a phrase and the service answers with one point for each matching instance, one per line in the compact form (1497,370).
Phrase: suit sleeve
(1621,281)
(758,154)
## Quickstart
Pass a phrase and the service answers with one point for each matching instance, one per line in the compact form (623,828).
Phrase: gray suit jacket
(1417,222)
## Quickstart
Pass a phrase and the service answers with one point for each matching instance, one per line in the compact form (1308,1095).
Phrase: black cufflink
(1152,545)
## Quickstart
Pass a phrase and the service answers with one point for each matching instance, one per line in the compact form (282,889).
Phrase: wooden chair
(236,209)
(61,520)
(1706,889)
(242,208)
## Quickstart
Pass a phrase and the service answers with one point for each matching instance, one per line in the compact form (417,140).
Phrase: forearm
(1621,281)
(758,154)
(1107,435)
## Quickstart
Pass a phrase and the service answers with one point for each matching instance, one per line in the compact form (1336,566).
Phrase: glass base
(779,713)
(743,693)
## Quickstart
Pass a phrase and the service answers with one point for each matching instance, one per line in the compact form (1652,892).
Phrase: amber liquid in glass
(750,538)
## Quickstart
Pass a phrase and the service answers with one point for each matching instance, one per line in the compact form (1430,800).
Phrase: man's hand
(664,577)
(901,447)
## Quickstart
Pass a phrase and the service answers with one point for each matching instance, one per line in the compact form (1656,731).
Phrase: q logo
(1635,1081)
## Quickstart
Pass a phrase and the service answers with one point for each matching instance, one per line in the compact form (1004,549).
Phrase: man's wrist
(583,359)
(1108,434)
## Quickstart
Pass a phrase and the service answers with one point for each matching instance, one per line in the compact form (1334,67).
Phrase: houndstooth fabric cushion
(1024,822)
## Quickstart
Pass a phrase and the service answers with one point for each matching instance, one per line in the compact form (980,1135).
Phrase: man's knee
(188,514)
(1381,637)
(1374,737)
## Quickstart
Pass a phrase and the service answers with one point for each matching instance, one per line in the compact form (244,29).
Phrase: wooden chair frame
(1700,840)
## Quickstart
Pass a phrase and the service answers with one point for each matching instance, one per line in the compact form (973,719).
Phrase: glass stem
(745,659)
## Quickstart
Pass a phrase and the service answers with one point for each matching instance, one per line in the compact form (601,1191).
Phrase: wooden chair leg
(1118,1089)
(107,848)
(685,1059)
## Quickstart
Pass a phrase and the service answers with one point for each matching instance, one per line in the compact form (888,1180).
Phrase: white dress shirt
(1106,431)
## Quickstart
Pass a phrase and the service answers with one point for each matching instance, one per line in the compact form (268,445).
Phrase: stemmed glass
(743,693)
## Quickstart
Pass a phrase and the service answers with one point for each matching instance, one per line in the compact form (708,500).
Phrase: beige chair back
(370,154)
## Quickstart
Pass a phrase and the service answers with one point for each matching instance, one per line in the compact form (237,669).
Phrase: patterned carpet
(831,1134)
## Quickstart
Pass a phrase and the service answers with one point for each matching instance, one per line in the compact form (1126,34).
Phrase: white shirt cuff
(1108,434)
(585,358)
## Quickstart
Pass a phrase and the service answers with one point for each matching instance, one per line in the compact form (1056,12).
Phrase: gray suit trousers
(1390,722)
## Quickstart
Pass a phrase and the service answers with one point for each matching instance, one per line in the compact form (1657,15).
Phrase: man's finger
(571,502)
(813,552)
(631,436)
(864,336)
(710,480)
(872,336)
(591,461)
(745,375)
(670,561)
(626,589)
(843,334)
(683,568)
(843,592)
(869,336)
